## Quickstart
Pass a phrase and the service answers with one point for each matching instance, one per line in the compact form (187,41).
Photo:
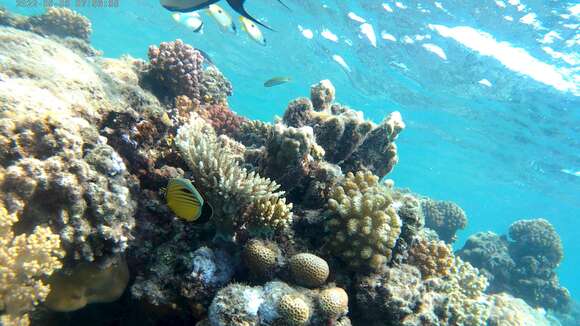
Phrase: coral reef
(87,143)
(347,139)
(444,217)
(61,22)
(24,262)
(179,68)
(241,199)
(431,257)
(363,226)
(309,270)
(523,265)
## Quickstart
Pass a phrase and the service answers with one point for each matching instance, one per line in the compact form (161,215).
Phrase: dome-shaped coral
(536,237)
(293,310)
(309,270)
(261,257)
(444,217)
(333,302)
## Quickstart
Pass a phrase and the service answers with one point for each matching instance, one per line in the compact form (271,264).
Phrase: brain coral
(293,310)
(261,257)
(309,270)
(240,198)
(363,227)
(333,302)
(444,217)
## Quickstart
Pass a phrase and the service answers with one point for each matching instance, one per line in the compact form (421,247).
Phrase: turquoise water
(493,120)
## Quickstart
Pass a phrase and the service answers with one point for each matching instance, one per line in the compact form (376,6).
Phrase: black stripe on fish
(238,6)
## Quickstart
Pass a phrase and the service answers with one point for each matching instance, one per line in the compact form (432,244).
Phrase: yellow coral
(433,258)
(24,260)
(309,270)
(364,226)
(293,310)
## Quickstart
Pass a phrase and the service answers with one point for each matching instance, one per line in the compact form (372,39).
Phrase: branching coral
(24,261)
(444,217)
(431,257)
(364,226)
(240,198)
(222,118)
(179,67)
(62,22)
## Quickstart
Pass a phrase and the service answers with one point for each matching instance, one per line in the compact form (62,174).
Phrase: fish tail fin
(282,3)
(238,6)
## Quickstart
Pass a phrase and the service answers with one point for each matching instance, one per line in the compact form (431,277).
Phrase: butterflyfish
(253,31)
(186,202)
(193,5)
(222,17)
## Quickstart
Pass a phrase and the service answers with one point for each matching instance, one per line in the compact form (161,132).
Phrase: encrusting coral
(363,226)
(241,199)
(444,217)
(24,262)
(63,22)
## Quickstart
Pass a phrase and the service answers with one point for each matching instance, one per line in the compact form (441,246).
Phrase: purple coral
(178,65)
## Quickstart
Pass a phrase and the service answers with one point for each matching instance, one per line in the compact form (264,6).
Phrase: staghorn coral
(433,258)
(24,261)
(309,270)
(61,22)
(444,217)
(363,226)
(348,140)
(241,199)
(179,67)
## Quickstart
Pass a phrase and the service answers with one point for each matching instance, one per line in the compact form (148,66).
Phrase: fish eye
(220,11)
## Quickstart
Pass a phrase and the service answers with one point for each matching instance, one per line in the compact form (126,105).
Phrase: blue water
(492,123)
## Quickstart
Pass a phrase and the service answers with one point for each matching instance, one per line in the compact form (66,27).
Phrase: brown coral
(333,302)
(62,22)
(433,258)
(309,270)
(444,217)
(293,310)
(261,257)
(221,118)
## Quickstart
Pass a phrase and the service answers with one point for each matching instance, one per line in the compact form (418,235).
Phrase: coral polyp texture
(348,140)
(363,226)
(302,230)
(62,22)
(25,261)
(444,217)
(523,264)
(240,198)
(179,68)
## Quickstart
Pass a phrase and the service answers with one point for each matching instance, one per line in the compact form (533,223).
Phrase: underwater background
(489,91)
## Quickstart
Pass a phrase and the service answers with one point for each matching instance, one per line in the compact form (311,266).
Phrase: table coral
(240,198)
(363,226)
(445,217)
(25,260)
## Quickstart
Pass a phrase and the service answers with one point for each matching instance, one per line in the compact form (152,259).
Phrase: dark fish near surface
(276,81)
(206,57)
(193,5)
